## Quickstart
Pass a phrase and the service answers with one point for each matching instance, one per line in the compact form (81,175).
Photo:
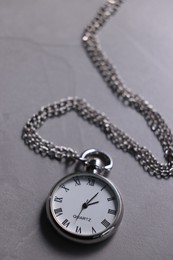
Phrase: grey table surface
(42,60)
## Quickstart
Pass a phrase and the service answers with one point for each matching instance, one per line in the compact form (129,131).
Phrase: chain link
(117,137)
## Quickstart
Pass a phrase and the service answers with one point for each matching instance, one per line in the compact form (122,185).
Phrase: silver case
(91,238)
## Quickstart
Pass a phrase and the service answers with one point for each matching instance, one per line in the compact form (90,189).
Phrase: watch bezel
(86,239)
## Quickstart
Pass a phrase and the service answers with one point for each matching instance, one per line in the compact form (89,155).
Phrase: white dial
(85,207)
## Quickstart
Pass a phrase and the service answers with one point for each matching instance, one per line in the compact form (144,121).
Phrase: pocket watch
(85,206)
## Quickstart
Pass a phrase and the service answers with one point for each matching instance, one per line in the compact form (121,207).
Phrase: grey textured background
(41,60)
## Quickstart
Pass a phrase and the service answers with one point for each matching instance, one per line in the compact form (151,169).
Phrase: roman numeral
(58,212)
(111,198)
(66,223)
(112,211)
(58,199)
(105,223)
(77,181)
(91,182)
(63,187)
(78,229)
(93,231)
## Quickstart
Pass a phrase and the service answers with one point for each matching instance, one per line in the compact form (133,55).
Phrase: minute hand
(88,201)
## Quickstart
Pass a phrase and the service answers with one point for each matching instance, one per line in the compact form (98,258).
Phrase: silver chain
(117,137)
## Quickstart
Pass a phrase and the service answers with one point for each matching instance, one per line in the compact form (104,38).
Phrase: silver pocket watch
(85,206)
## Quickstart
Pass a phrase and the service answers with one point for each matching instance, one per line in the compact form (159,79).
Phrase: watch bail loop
(95,161)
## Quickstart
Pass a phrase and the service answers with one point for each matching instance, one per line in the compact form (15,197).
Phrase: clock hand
(79,213)
(88,201)
(86,204)
(92,203)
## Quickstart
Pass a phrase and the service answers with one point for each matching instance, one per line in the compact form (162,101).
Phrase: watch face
(85,207)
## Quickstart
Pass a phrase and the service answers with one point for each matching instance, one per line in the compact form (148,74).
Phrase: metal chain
(117,137)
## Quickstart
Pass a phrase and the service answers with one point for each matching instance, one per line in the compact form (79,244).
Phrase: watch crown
(94,165)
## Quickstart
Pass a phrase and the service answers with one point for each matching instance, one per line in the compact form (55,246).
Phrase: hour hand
(86,204)
(95,202)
